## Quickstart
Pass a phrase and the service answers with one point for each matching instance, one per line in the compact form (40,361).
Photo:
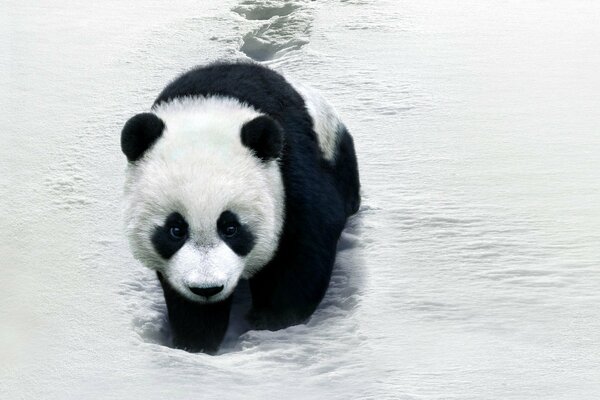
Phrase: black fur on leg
(195,327)
(288,289)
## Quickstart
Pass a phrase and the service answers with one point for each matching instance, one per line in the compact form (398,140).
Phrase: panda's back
(255,85)
(302,111)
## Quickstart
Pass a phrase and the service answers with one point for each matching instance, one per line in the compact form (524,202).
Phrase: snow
(471,271)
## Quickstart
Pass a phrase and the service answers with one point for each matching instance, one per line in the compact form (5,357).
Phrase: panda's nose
(206,291)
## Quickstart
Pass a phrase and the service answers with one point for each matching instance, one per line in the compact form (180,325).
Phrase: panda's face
(205,198)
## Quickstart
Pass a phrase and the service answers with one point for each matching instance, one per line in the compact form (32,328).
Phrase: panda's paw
(264,320)
(208,346)
(272,321)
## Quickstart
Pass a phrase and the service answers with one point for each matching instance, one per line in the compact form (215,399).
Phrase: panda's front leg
(195,327)
(286,292)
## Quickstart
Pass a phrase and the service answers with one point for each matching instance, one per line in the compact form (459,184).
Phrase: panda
(236,173)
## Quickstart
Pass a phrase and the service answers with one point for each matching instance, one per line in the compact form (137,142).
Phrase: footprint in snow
(287,28)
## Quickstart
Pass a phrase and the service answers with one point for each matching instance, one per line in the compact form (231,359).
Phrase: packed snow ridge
(287,28)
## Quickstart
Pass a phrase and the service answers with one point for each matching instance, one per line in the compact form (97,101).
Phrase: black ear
(263,135)
(139,133)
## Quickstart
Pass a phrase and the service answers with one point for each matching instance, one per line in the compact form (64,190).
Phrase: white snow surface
(471,271)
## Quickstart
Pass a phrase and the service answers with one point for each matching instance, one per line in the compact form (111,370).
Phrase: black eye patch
(237,236)
(170,237)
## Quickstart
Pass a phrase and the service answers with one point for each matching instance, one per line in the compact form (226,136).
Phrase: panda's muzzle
(206,291)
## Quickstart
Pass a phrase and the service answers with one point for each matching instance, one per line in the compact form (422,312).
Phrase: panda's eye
(230,229)
(177,232)
(228,225)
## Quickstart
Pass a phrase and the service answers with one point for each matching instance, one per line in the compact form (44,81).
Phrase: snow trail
(287,29)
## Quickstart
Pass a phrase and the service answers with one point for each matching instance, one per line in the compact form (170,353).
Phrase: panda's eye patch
(236,235)
(171,236)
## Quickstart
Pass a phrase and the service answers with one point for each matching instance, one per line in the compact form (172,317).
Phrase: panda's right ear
(139,134)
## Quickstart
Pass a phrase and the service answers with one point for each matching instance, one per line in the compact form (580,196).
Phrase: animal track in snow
(252,11)
(287,29)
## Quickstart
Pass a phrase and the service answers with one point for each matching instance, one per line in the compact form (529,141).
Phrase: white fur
(200,168)
(327,124)
(197,266)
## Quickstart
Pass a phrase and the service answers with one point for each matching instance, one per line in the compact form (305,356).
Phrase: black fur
(345,171)
(264,136)
(319,196)
(139,134)
(243,240)
(195,327)
(165,244)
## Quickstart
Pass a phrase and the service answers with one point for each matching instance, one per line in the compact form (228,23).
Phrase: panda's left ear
(139,134)
(264,136)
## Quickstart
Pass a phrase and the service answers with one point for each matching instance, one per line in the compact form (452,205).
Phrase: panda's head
(204,193)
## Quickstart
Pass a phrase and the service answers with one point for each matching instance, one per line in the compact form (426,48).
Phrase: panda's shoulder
(327,124)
